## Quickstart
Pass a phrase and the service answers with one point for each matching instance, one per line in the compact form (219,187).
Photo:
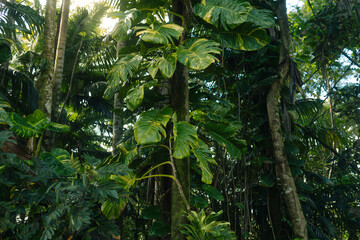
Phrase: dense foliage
(162,127)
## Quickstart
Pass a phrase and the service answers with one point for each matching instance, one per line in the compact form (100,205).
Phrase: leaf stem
(159,165)
(156,175)
(38,145)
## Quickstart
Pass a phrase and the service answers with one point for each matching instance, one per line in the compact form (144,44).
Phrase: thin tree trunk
(60,56)
(180,104)
(45,81)
(117,120)
(71,78)
(328,88)
(282,165)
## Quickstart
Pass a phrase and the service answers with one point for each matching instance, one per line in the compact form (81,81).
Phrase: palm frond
(16,16)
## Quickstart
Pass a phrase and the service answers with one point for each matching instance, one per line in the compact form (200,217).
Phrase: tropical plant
(204,226)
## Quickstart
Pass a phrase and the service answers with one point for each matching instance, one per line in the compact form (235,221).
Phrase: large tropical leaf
(160,34)
(112,210)
(125,23)
(213,192)
(56,127)
(34,124)
(261,18)
(151,212)
(305,111)
(203,156)
(124,68)
(4,115)
(247,39)
(125,181)
(150,126)
(166,65)
(225,13)
(18,16)
(224,134)
(5,53)
(128,151)
(37,120)
(60,160)
(198,54)
(185,137)
(85,22)
(159,229)
(20,127)
(135,95)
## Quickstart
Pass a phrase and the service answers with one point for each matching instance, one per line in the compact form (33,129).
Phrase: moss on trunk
(282,166)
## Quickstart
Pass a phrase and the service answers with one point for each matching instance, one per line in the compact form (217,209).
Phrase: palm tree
(45,82)
(60,56)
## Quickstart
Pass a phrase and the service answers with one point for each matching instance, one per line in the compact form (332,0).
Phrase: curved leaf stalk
(282,166)
(38,146)
(173,177)
(156,175)
(153,168)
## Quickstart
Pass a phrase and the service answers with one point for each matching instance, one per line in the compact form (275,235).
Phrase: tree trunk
(117,120)
(180,104)
(45,82)
(60,57)
(282,165)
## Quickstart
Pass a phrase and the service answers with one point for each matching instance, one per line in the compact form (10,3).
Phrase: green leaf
(4,104)
(198,54)
(80,217)
(203,156)
(185,137)
(151,212)
(227,13)
(48,233)
(4,115)
(160,34)
(212,192)
(166,65)
(159,229)
(261,18)
(267,180)
(57,127)
(20,127)
(295,171)
(60,160)
(34,124)
(198,202)
(135,95)
(150,126)
(247,39)
(128,151)
(76,164)
(125,67)
(38,120)
(224,134)
(5,53)
(112,210)
(125,181)
(126,21)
